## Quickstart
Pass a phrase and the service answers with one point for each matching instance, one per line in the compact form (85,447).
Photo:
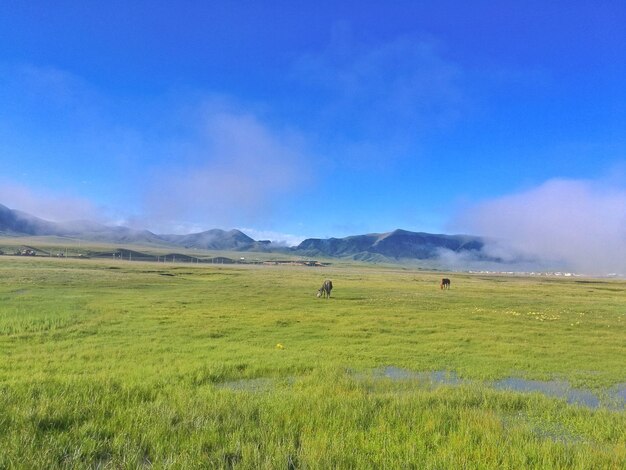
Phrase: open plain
(116,364)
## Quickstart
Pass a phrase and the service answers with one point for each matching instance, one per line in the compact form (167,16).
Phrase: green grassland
(113,364)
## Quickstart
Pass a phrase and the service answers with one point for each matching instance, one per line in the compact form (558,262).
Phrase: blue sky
(297,119)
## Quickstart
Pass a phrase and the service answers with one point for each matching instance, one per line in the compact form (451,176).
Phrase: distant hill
(16,223)
(379,247)
(217,239)
(399,244)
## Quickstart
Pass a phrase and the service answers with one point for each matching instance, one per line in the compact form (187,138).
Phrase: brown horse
(445,283)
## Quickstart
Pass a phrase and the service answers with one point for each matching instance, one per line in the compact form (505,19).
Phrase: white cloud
(239,170)
(278,238)
(49,205)
(579,224)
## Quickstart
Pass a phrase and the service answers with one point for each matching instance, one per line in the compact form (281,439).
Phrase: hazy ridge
(395,245)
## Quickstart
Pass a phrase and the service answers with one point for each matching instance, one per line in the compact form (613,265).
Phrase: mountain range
(399,244)
(389,246)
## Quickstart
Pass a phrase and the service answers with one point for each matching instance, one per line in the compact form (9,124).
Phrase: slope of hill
(390,246)
(217,239)
(14,222)
(398,244)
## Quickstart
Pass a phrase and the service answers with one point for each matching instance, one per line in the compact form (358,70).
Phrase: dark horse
(327,286)
(445,283)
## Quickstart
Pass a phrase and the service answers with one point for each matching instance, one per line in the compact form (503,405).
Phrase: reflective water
(558,389)
(434,377)
(620,391)
(614,398)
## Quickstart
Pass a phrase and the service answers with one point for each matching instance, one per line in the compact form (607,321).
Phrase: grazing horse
(445,283)
(327,286)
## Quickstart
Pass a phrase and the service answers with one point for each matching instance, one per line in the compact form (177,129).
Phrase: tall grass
(117,364)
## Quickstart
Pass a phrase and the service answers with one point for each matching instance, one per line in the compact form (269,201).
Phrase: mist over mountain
(17,223)
(399,244)
(14,222)
(391,246)
(217,239)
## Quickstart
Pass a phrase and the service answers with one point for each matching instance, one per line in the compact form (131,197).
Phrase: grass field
(112,364)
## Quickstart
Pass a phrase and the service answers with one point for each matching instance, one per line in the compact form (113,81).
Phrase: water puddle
(436,377)
(614,398)
(554,388)
(619,391)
